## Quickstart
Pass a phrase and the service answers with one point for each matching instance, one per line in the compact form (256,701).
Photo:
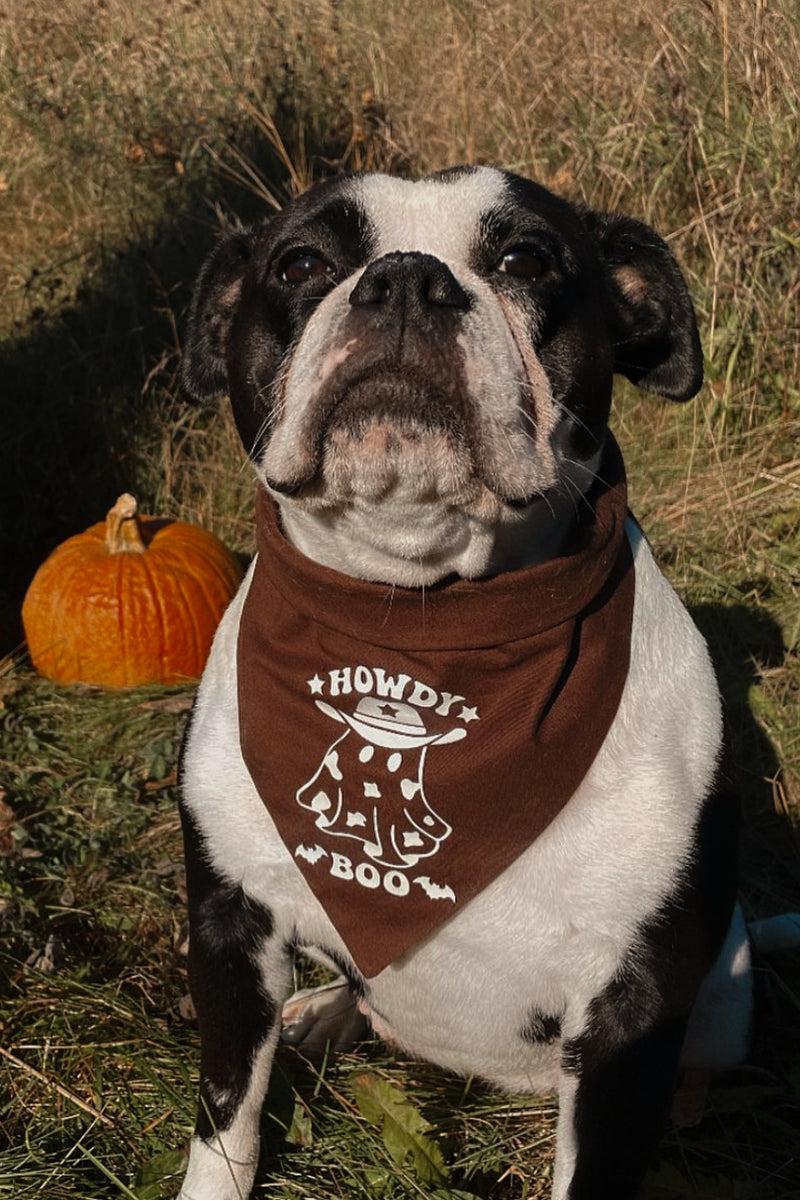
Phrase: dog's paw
(321,1018)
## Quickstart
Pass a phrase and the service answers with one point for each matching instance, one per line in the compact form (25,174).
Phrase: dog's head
(421,372)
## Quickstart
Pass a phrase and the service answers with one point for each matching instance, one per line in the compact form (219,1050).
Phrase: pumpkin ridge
(189,608)
(155,593)
(223,576)
(63,656)
(219,575)
(209,588)
(122,599)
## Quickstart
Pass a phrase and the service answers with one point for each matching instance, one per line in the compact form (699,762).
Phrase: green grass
(129,134)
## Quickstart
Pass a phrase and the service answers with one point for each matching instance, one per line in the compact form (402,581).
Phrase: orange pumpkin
(132,600)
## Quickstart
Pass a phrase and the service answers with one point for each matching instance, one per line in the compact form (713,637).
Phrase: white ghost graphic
(370,784)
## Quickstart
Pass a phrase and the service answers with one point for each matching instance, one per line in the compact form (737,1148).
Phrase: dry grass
(129,132)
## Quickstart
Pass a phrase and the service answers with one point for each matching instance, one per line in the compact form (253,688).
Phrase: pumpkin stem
(123,531)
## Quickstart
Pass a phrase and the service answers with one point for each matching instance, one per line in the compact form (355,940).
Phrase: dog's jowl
(457,739)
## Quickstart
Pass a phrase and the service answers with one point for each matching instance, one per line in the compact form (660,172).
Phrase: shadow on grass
(744,642)
(84,388)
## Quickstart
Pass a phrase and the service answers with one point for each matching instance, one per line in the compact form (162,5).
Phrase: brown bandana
(410,744)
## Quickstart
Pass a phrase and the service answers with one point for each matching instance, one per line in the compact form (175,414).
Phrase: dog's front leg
(239,974)
(614,1097)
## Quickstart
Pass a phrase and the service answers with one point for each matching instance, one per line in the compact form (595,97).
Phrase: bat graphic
(434,891)
(311,854)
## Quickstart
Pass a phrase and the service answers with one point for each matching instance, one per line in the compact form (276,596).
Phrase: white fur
(429,215)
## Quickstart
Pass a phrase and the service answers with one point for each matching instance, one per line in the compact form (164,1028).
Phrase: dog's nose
(408,283)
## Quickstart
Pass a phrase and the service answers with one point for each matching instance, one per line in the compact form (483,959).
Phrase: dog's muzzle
(409,374)
(396,366)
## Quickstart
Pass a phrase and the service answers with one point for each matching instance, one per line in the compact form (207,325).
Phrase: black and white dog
(422,375)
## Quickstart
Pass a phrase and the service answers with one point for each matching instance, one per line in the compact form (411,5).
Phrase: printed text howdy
(374,681)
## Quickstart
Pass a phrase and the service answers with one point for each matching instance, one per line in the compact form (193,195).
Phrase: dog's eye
(306,265)
(523,262)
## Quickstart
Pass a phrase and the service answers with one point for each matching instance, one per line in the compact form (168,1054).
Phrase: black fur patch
(622,1105)
(234,1013)
(540,1028)
(627,1057)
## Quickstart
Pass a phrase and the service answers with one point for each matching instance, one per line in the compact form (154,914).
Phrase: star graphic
(468,714)
(316,684)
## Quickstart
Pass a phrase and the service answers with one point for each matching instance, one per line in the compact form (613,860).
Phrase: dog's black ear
(204,372)
(657,345)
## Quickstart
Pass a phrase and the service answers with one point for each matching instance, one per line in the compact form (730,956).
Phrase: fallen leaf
(402,1126)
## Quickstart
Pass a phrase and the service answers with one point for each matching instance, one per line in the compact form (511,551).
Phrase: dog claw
(321,1018)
